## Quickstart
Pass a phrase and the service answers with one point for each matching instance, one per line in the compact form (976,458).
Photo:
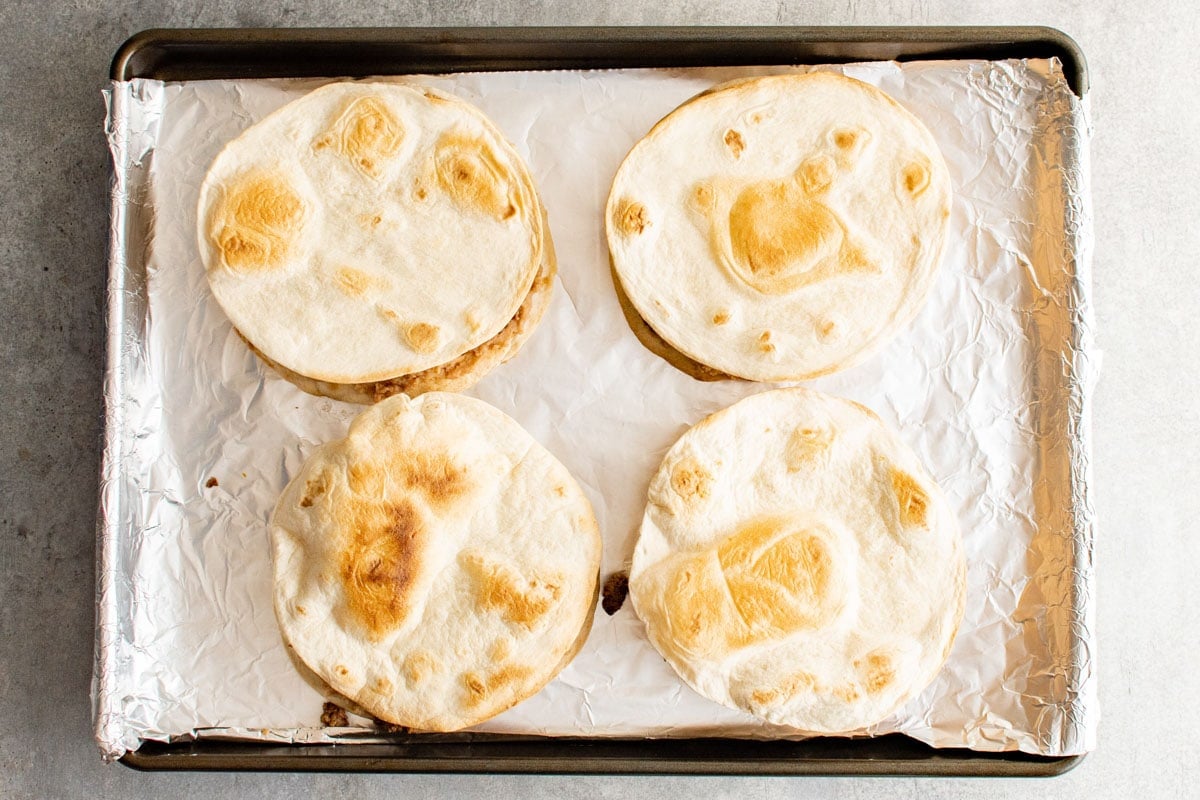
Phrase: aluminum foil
(990,385)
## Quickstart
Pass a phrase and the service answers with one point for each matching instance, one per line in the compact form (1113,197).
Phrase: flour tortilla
(780,228)
(437,566)
(797,562)
(370,230)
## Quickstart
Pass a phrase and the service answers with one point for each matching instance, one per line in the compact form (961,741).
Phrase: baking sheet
(989,385)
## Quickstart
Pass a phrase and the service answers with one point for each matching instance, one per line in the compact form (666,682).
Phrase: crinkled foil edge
(1057,606)
(133,111)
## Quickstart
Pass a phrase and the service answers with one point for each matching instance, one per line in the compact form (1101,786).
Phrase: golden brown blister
(779,236)
(367,134)
(375,565)
(469,171)
(255,222)
(766,581)
(522,600)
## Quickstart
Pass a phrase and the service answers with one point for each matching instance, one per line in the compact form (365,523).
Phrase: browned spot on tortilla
(632,217)
(313,488)
(877,671)
(916,178)
(764,697)
(735,142)
(790,687)
(257,221)
(690,480)
(422,337)
(845,138)
(847,693)
(816,174)
(767,580)
(366,478)
(469,170)
(367,134)
(480,689)
(210,483)
(435,475)
(352,281)
(720,318)
(806,443)
(849,143)
(695,604)
(476,688)
(419,665)
(776,230)
(378,563)
(797,563)
(500,650)
(764,342)
(520,600)
(911,498)
(703,196)
(779,584)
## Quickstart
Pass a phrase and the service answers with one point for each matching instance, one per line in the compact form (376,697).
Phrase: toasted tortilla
(796,561)
(780,228)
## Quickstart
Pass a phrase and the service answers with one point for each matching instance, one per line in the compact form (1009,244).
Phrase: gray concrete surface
(53,182)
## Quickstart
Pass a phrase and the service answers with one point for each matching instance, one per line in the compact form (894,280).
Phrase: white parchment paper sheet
(188,643)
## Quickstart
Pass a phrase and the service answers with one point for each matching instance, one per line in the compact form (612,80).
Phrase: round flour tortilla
(437,566)
(780,228)
(796,561)
(370,230)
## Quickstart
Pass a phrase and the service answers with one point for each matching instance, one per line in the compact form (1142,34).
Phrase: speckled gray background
(53,209)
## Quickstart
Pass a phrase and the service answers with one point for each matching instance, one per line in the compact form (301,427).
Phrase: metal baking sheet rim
(457,49)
